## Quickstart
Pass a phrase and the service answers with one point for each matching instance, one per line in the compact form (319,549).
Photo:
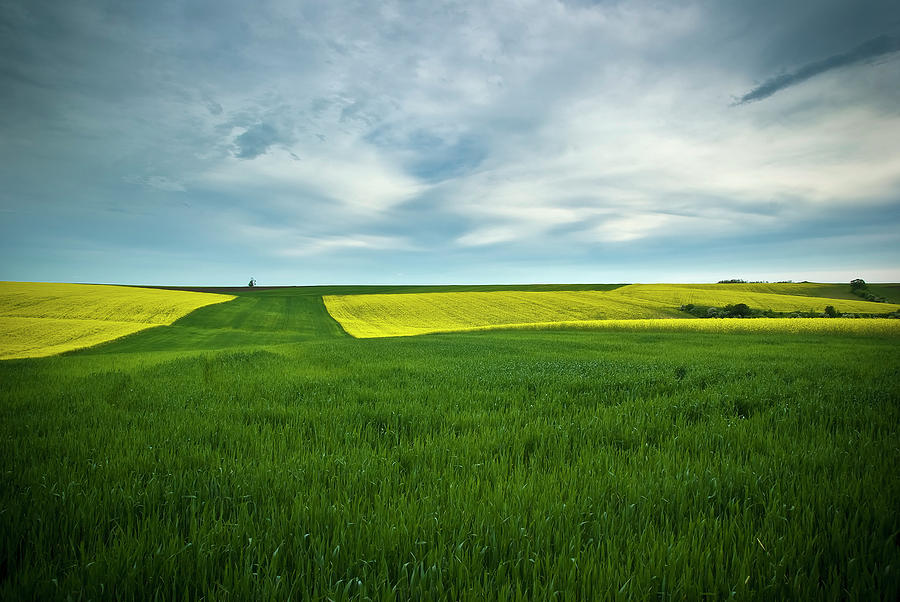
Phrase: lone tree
(252,282)
(831,312)
(858,284)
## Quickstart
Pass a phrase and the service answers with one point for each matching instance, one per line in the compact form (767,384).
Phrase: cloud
(467,140)
(256,140)
(361,242)
(871,49)
(336,185)
(600,172)
(280,241)
(212,106)
(156,182)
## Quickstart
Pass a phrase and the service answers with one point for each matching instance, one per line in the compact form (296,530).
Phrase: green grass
(266,318)
(252,450)
(891,292)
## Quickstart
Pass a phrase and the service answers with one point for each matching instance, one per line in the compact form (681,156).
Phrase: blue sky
(466,142)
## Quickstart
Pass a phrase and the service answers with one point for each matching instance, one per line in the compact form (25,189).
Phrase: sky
(208,142)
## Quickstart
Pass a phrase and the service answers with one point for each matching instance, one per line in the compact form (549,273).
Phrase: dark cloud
(871,49)
(430,156)
(212,106)
(439,160)
(256,141)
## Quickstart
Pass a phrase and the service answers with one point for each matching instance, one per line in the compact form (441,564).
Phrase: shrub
(738,310)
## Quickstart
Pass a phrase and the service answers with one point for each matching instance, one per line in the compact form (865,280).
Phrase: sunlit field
(675,295)
(862,326)
(252,450)
(38,319)
(375,315)
(418,313)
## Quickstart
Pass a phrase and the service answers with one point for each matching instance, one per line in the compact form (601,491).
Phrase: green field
(252,450)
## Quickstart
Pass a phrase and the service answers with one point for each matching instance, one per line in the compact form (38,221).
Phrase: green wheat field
(253,450)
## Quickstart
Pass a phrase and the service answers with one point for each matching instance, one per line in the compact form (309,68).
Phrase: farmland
(412,313)
(253,450)
(419,313)
(719,295)
(38,319)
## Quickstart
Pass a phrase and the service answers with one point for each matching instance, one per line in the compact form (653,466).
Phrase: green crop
(253,451)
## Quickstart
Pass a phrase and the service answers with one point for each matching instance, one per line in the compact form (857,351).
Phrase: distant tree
(831,312)
(252,283)
(858,284)
(733,281)
(738,310)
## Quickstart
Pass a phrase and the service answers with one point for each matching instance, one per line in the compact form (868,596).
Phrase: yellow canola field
(860,326)
(366,316)
(804,289)
(676,295)
(38,337)
(633,307)
(39,319)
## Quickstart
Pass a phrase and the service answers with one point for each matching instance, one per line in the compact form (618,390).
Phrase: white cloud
(284,241)
(633,227)
(354,178)
(647,161)
(314,246)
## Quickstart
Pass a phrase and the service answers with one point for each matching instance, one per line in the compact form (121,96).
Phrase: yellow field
(38,337)
(860,326)
(676,295)
(653,305)
(366,316)
(38,319)
(803,289)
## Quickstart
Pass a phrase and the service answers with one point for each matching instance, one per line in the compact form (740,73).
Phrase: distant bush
(742,310)
(858,284)
(868,296)
(733,281)
(738,310)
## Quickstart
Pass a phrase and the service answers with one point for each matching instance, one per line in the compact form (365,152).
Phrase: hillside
(38,319)
(405,314)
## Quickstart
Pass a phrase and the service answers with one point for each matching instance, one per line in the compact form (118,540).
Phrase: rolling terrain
(756,296)
(421,313)
(413,313)
(38,319)
(253,450)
